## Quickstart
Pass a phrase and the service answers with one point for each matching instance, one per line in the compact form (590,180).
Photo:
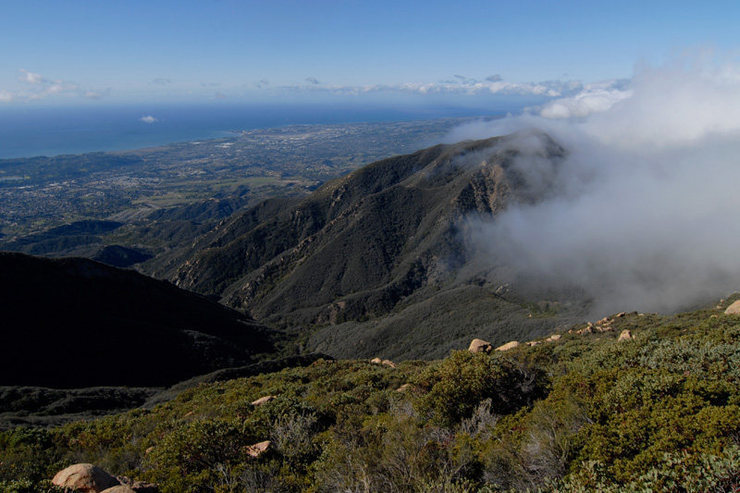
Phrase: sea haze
(39,131)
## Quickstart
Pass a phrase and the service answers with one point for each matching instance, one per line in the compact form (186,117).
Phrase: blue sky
(91,52)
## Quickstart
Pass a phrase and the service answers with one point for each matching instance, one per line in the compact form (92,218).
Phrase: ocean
(39,131)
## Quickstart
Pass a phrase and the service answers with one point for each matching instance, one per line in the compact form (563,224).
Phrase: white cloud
(590,100)
(37,87)
(31,77)
(148,119)
(457,85)
(640,212)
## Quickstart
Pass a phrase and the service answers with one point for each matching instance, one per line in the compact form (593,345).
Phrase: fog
(643,211)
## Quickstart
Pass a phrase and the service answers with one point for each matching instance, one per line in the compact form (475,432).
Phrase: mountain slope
(360,245)
(76,323)
(645,403)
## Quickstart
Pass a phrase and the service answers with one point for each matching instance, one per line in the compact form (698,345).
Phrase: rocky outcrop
(84,478)
(733,309)
(480,346)
(508,345)
(553,338)
(387,362)
(376,361)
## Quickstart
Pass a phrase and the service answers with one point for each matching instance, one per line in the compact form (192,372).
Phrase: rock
(554,337)
(480,346)
(258,448)
(404,388)
(626,335)
(84,478)
(733,309)
(620,314)
(376,361)
(388,362)
(532,343)
(263,400)
(507,346)
(149,450)
(121,488)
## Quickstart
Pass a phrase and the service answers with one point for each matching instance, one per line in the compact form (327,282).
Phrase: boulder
(258,448)
(263,400)
(388,362)
(480,346)
(626,335)
(554,337)
(376,361)
(733,309)
(84,478)
(403,388)
(533,343)
(507,346)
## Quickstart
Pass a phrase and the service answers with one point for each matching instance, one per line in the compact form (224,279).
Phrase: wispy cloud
(148,119)
(457,85)
(35,86)
(31,77)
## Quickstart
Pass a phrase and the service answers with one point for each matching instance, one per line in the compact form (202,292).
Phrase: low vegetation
(660,412)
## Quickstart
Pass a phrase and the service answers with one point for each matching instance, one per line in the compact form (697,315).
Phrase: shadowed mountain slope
(76,323)
(360,246)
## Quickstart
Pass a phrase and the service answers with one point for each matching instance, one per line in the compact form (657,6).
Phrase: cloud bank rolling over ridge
(642,213)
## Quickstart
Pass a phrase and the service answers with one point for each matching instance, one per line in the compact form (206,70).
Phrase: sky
(93,52)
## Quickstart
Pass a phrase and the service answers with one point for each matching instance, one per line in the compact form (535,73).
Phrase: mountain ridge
(361,244)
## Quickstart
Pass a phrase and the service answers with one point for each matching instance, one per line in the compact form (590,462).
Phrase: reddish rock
(84,478)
